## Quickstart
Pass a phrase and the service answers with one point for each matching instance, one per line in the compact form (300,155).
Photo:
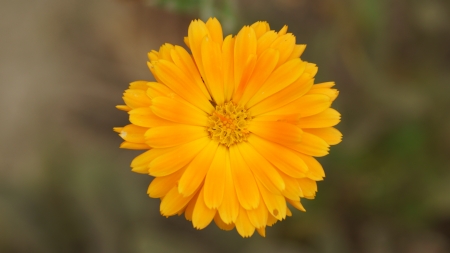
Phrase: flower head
(231,130)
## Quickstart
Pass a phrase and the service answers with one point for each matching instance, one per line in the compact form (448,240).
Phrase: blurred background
(65,186)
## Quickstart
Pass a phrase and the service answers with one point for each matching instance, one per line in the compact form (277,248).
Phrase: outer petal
(265,64)
(245,184)
(165,163)
(213,69)
(327,118)
(197,31)
(258,217)
(179,111)
(303,107)
(221,224)
(202,215)
(185,62)
(243,225)
(244,48)
(285,96)
(330,135)
(276,204)
(215,30)
(215,179)
(277,131)
(197,169)
(144,117)
(311,145)
(262,169)
(172,76)
(283,76)
(173,202)
(169,136)
(282,158)
(229,209)
(160,186)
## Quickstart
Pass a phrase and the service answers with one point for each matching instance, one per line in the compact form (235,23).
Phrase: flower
(231,130)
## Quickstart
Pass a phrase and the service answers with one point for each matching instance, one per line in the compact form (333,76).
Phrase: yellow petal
(271,220)
(176,158)
(153,55)
(261,231)
(282,158)
(277,131)
(160,186)
(297,52)
(145,158)
(169,136)
(190,207)
(276,204)
(243,225)
(221,224)
(330,135)
(265,41)
(258,217)
(215,30)
(202,215)
(296,204)
(329,117)
(244,181)
(229,209)
(144,117)
(172,76)
(196,32)
(197,169)
(133,133)
(285,96)
(173,202)
(245,46)
(135,98)
(315,171)
(164,52)
(311,145)
(305,106)
(215,179)
(185,62)
(123,107)
(288,212)
(260,28)
(132,145)
(292,190)
(212,66)
(283,30)
(179,111)
(262,169)
(332,93)
(309,187)
(264,66)
(156,89)
(285,44)
(283,76)
(139,85)
(228,67)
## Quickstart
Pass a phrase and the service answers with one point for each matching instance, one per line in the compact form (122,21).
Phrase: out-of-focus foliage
(66,187)
(225,10)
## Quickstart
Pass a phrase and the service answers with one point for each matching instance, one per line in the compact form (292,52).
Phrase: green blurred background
(65,186)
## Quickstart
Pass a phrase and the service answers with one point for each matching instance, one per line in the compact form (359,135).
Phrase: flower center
(228,124)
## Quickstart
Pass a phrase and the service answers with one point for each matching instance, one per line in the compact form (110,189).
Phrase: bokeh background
(65,186)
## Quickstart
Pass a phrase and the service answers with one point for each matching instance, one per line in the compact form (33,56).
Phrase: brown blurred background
(65,186)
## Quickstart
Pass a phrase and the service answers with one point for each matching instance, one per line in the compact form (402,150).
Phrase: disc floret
(228,124)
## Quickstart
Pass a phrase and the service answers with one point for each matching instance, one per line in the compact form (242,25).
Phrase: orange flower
(231,129)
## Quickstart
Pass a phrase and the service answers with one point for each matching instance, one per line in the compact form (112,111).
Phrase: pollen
(228,124)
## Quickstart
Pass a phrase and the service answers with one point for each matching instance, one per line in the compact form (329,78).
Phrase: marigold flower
(231,130)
